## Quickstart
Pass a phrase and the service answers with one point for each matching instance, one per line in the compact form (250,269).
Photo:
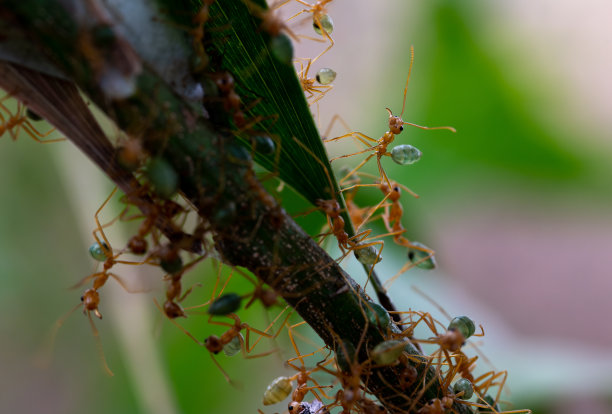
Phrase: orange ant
(296,405)
(90,302)
(378,147)
(101,250)
(233,337)
(321,22)
(331,209)
(232,103)
(12,123)
(391,217)
(314,93)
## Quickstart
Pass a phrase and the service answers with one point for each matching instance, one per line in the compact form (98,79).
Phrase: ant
(314,93)
(393,213)
(331,209)
(232,103)
(12,123)
(90,301)
(199,20)
(296,405)
(378,147)
(321,21)
(215,344)
(101,250)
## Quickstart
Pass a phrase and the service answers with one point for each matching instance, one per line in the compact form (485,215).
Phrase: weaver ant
(314,93)
(378,147)
(331,209)
(321,22)
(215,344)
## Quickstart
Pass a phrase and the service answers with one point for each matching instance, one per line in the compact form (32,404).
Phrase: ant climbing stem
(378,147)
(331,208)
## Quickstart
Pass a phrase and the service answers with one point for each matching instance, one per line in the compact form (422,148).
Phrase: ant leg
(361,164)
(106,246)
(96,335)
(335,118)
(274,336)
(326,35)
(36,135)
(225,375)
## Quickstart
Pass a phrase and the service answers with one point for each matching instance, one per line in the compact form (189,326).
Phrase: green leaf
(275,92)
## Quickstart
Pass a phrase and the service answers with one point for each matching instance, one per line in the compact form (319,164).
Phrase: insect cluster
(174,236)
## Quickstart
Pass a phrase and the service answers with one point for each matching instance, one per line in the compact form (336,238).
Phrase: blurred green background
(516,205)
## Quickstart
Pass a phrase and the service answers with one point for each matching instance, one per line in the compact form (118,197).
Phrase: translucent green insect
(281,48)
(491,402)
(278,390)
(326,22)
(97,251)
(367,255)
(405,154)
(387,352)
(377,315)
(163,177)
(421,256)
(234,346)
(264,144)
(225,304)
(463,386)
(464,325)
(325,76)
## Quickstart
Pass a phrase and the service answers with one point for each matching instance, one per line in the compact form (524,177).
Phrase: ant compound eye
(401,128)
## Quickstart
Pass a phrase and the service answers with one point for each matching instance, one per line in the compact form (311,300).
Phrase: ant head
(173,310)
(91,300)
(295,407)
(225,83)
(396,124)
(329,207)
(213,344)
